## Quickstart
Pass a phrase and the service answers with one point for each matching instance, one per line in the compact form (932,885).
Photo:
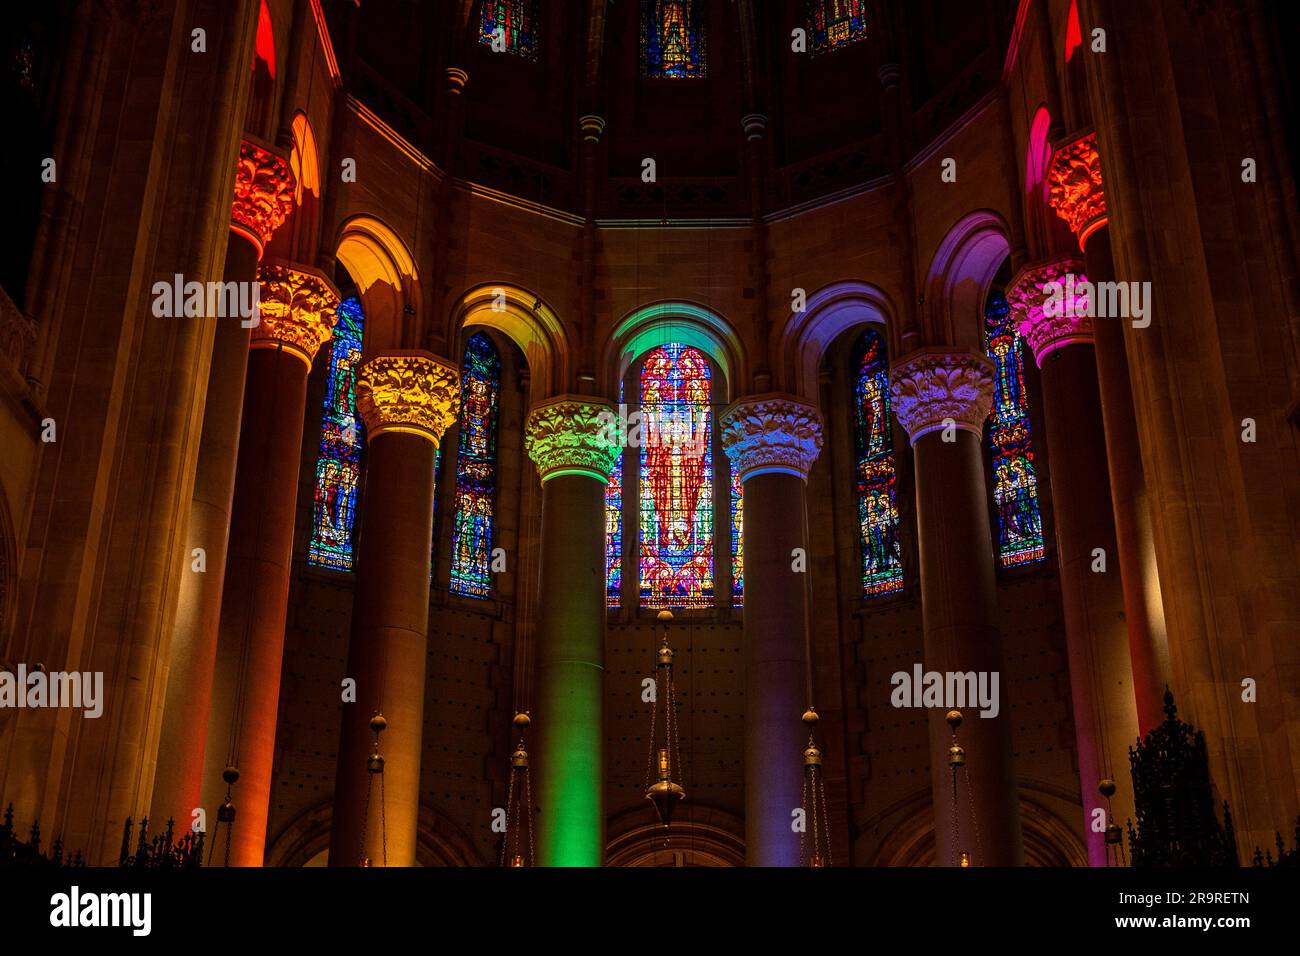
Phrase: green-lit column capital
(573,435)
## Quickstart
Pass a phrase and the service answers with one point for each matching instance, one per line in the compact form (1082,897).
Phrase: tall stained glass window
(614,536)
(1015,485)
(517,21)
(877,477)
(471,535)
(836,23)
(338,463)
(737,542)
(676,479)
(672,39)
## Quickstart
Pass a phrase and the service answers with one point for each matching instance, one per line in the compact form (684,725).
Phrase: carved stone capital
(934,388)
(1075,188)
(1048,309)
(264,189)
(410,392)
(572,434)
(773,432)
(297,309)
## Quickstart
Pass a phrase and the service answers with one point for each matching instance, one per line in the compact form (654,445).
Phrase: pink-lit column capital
(1049,306)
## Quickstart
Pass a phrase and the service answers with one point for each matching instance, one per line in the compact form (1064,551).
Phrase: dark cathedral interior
(650,434)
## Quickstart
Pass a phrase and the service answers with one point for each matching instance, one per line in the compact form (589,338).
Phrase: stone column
(407,400)
(297,316)
(772,441)
(263,201)
(942,399)
(1059,331)
(568,441)
(1078,196)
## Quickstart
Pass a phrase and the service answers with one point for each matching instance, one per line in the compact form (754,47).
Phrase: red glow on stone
(265,45)
(1073,35)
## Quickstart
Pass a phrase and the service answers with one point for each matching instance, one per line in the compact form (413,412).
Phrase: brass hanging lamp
(815,840)
(517,847)
(375,769)
(665,754)
(956,762)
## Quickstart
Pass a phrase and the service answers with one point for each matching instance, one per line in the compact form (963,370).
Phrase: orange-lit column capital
(264,188)
(407,400)
(297,317)
(1074,186)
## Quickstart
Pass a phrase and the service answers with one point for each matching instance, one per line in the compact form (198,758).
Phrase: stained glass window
(676,479)
(737,542)
(672,39)
(471,535)
(614,536)
(877,478)
(836,23)
(1015,485)
(338,463)
(517,21)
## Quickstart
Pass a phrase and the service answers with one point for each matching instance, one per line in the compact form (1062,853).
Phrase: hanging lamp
(517,847)
(665,754)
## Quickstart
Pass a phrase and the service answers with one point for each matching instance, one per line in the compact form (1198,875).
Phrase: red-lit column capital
(263,200)
(1077,193)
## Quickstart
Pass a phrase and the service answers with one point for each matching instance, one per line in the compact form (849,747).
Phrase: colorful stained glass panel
(1015,484)
(512,25)
(471,537)
(676,479)
(833,24)
(672,39)
(338,463)
(877,478)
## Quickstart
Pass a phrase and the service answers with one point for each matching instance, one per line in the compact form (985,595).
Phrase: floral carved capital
(772,432)
(933,389)
(297,309)
(572,434)
(1074,186)
(1048,308)
(408,392)
(264,189)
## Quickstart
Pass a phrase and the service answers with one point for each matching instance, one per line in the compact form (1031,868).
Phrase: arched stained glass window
(1015,485)
(877,477)
(338,464)
(517,22)
(471,536)
(676,479)
(672,39)
(833,24)
(737,542)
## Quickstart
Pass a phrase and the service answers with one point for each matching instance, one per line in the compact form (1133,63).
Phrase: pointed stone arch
(830,311)
(384,271)
(530,323)
(660,323)
(959,277)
